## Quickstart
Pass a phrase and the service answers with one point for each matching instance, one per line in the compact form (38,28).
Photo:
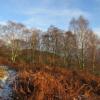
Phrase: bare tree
(69,47)
(55,38)
(46,42)
(80,27)
(92,48)
(34,42)
(12,32)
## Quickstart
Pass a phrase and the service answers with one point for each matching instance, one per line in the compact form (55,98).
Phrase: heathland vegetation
(52,65)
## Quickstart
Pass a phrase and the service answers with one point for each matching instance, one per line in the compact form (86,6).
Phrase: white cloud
(62,12)
(40,17)
(2,22)
(40,13)
(97,31)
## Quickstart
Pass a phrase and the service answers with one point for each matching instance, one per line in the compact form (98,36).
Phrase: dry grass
(56,84)
(40,82)
(2,73)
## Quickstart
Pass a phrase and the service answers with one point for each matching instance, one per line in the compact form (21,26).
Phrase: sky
(44,13)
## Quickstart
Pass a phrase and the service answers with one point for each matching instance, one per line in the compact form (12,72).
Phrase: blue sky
(43,13)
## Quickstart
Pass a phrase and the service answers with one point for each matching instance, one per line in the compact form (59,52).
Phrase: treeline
(79,46)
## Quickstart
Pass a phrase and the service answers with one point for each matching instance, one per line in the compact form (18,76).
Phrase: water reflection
(6,79)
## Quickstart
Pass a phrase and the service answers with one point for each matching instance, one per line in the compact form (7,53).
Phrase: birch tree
(80,27)
(12,32)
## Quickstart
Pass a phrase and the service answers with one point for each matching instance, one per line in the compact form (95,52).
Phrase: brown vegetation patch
(57,84)
(40,86)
